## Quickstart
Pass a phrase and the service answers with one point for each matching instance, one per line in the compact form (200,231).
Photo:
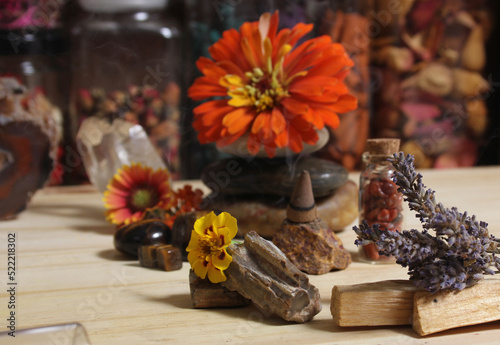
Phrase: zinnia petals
(264,80)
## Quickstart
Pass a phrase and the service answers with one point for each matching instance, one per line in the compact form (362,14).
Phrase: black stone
(128,238)
(181,231)
(182,227)
(237,176)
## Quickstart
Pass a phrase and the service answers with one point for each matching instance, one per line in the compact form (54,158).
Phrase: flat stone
(205,294)
(237,176)
(312,246)
(262,273)
(239,147)
(264,214)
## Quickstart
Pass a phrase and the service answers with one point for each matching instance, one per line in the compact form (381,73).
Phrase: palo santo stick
(383,303)
(445,310)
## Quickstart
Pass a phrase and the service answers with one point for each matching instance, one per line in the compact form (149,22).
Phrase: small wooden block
(373,304)
(205,294)
(169,258)
(445,309)
(147,255)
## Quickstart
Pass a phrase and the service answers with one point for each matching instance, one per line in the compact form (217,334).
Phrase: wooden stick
(399,302)
(382,303)
(444,310)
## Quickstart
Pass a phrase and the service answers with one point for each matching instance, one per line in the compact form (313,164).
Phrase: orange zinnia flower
(135,190)
(267,86)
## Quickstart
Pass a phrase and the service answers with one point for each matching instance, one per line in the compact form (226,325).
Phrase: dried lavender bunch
(460,253)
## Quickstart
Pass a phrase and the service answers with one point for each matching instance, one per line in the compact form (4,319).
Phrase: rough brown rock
(305,239)
(262,273)
(312,247)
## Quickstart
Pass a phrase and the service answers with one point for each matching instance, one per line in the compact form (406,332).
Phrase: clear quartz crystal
(105,147)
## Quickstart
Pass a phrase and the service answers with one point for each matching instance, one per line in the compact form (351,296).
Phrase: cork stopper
(382,146)
(302,208)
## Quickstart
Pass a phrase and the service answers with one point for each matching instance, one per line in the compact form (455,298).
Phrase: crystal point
(107,147)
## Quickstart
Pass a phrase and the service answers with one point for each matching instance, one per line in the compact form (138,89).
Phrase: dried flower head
(460,253)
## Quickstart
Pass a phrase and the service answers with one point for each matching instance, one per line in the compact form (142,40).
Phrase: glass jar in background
(126,63)
(379,201)
(33,49)
(346,22)
(429,58)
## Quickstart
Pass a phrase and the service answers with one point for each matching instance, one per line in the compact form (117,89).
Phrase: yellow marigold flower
(207,248)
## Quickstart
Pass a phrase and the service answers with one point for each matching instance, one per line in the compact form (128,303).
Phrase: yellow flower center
(263,87)
(142,199)
(262,90)
(210,244)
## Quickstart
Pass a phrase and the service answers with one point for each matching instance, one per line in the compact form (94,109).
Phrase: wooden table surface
(68,271)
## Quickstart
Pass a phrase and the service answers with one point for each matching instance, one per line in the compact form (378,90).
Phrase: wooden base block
(445,310)
(205,294)
(373,304)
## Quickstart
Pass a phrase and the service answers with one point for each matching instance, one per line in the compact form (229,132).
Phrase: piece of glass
(65,334)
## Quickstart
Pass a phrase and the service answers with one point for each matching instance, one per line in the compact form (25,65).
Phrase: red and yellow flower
(207,248)
(134,190)
(268,86)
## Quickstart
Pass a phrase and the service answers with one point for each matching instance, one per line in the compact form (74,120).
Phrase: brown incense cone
(304,238)
(302,208)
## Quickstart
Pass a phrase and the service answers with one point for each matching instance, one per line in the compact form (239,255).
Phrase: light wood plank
(444,310)
(384,303)
(69,271)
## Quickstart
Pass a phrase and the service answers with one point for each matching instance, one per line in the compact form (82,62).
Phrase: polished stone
(239,147)
(128,238)
(181,230)
(147,255)
(265,214)
(169,258)
(238,176)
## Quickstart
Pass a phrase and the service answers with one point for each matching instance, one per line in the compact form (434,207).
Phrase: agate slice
(28,144)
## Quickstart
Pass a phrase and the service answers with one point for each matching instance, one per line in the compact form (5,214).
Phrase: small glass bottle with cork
(379,200)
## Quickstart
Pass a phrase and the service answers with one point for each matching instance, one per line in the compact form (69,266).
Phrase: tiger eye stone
(147,254)
(168,257)
(128,238)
